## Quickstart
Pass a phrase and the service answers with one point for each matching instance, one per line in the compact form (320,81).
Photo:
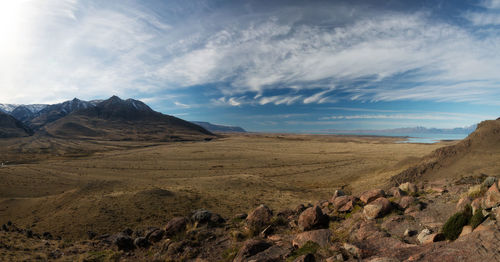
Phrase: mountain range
(219,128)
(111,119)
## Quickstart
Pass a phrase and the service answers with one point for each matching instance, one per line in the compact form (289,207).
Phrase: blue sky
(296,66)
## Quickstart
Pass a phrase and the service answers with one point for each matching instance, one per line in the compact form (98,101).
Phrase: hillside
(117,119)
(476,154)
(11,127)
(219,128)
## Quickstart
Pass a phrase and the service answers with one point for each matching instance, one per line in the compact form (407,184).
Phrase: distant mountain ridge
(219,128)
(11,127)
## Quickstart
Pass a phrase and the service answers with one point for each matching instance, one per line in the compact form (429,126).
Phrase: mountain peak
(115,99)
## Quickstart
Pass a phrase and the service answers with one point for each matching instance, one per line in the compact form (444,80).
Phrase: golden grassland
(71,187)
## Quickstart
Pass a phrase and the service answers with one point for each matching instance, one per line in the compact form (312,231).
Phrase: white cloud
(68,48)
(179,104)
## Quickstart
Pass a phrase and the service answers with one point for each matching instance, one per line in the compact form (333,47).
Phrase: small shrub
(476,191)
(308,248)
(477,218)
(453,227)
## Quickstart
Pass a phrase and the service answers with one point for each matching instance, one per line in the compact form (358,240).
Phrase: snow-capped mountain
(34,108)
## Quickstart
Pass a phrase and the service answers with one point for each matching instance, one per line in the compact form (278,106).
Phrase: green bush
(477,218)
(453,227)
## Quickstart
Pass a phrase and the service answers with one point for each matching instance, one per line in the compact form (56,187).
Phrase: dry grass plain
(72,187)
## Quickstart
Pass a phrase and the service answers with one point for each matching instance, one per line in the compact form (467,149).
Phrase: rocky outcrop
(259,217)
(322,237)
(371,195)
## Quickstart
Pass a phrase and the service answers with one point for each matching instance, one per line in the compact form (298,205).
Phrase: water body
(426,138)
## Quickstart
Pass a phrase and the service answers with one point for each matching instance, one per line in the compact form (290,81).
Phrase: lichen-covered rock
(377,208)
(312,218)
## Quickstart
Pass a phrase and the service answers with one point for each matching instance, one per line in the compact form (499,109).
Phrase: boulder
(141,242)
(476,204)
(408,187)
(371,195)
(260,216)
(274,253)
(465,231)
(321,237)
(492,197)
(250,248)
(176,225)
(462,202)
(353,250)
(396,192)
(338,193)
(123,242)
(377,208)
(406,201)
(305,258)
(344,203)
(426,236)
(312,218)
(155,235)
(201,216)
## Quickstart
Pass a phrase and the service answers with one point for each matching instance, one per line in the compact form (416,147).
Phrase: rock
(175,248)
(312,218)
(123,242)
(141,242)
(216,219)
(274,253)
(496,213)
(426,237)
(489,181)
(371,195)
(47,235)
(155,235)
(337,193)
(175,225)
(305,258)
(423,234)
(344,203)
(377,208)
(465,231)
(396,192)
(409,233)
(337,258)
(250,248)
(240,216)
(353,250)
(476,204)
(408,187)
(201,216)
(320,237)
(462,202)
(406,201)
(492,197)
(260,216)
(300,208)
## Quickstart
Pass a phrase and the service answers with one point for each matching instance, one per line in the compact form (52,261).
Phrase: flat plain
(71,187)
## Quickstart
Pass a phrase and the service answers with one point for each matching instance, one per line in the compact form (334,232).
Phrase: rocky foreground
(440,221)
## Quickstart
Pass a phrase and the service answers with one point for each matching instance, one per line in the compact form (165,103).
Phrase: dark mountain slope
(55,112)
(11,127)
(476,154)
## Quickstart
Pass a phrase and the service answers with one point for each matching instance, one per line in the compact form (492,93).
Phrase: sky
(271,66)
